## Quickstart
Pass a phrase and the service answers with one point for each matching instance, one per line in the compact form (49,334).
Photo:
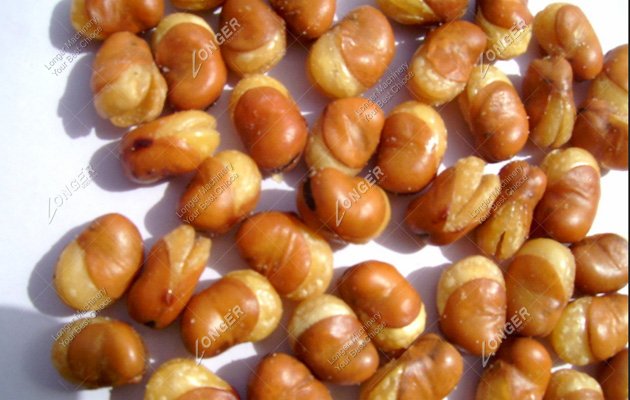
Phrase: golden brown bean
(197,5)
(338,206)
(568,207)
(592,329)
(548,94)
(390,309)
(520,370)
(602,124)
(352,56)
(281,377)
(563,29)
(97,267)
(296,260)
(127,85)
(429,369)
(102,18)
(225,190)
(507,23)
(494,113)
(173,145)
(240,307)
(613,377)
(257,38)
(471,303)
(327,336)
(185,379)
(99,352)
(269,123)
(345,136)
(194,82)
(568,384)
(410,12)
(412,146)
(306,18)
(458,200)
(168,278)
(442,65)
(601,263)
(508,226)
(539,283)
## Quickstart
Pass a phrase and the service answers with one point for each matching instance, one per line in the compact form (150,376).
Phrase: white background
(51,133)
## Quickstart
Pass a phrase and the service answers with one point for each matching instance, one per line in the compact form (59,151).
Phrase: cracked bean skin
(173,145)
(128,87)
(430,369)
(602,123)
(592,329)
(508,25)
(442,65)
(423,12)
(98,266)
(548,94)
(569,384)
(279,376)
(100,19)
(563,29)
(351,57)
(601,263)
(168,278)
(269,123)
(508,226)
(539,283)
(308,19)
(459,199)
(99,352)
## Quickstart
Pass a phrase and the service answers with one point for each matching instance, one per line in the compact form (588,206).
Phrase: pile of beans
(538,274)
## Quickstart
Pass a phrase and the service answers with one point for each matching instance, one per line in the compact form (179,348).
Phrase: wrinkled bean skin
(563,29)
(442,65)
(197,5)
(568,207)
(429,369)
(326,335)
(569,384)
(169,277)
(494,113)
(353,55)
(297,261)
(169,146)
(601,263)
(508,226)
(225,189)
(186,379)
(458,200)
(338,206)
(520,370)
(269,123)
(613,377)
(507,23)
(423,12)
(194,82)
(346,135)
(127,85)
(99,352)
(602,124)
(471,302)
(548,94)
(592,329)
(98,266)
(412,147)
(257,38)
(240,307)
(102,18)
(390,309)
(281,377)
(308,19)
(537,299)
